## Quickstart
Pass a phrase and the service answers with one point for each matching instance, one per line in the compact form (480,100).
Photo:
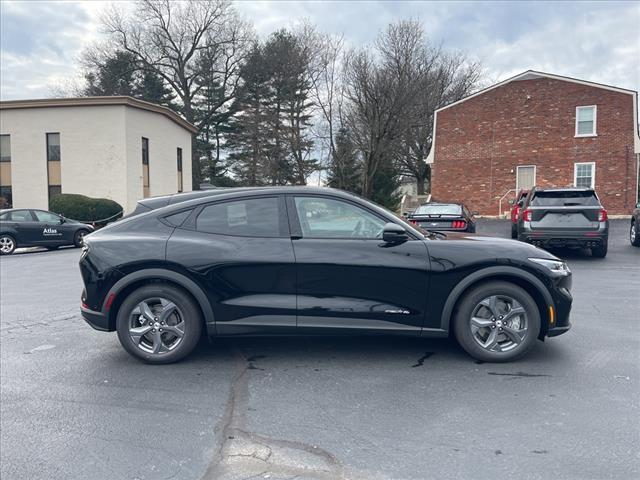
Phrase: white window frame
(535,174)
(593,173)
(595,121)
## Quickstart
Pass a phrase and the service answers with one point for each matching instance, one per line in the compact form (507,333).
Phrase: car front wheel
(7,244)
(159,324)
(78,238)
(497,322)
(634,234)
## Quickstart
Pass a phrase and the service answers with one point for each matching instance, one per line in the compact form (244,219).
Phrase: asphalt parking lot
(74,405)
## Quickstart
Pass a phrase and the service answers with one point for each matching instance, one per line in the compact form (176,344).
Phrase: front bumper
(555,331)
(97,320)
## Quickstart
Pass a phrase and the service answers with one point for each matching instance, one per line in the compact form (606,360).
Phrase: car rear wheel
(497,322)
(601,251)
(634,234)
(159,324)
(7,244)
(78,238)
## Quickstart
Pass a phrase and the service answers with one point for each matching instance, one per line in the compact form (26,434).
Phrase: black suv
(564,217)
(634,229)
(301,260)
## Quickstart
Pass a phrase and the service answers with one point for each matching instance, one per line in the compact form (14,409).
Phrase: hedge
(85,209)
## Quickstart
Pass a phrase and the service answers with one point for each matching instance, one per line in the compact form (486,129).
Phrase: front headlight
(558,267)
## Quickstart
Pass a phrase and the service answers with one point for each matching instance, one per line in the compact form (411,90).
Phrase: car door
(25,225)
(241,250)
(52,232)
(348,279)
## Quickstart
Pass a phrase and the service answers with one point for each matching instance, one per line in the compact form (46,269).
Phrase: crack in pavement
(239,453)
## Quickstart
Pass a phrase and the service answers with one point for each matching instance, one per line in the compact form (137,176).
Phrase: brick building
(537,129)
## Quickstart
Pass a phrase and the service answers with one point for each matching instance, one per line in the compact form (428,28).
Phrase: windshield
(565,199)
(439,209)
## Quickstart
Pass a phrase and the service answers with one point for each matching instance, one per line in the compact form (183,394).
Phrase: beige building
(103,147)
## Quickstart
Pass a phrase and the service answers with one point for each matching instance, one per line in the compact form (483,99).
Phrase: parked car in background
(443,217)
(21,227)
(515,211)
(634,230)
(565,217)
(343,266)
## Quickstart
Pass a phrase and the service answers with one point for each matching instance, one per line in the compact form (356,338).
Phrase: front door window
(329,218)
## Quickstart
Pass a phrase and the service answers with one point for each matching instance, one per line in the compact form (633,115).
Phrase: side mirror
(62,220)
(393,233)
(638,205)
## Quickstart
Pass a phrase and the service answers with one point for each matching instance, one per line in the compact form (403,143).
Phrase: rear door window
(251,217)
(565,199)
(20,216)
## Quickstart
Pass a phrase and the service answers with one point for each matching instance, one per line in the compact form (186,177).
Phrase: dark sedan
(301,260)
(38,228)
(444,217)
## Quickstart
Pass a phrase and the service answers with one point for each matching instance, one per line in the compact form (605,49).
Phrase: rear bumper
(96,320)
(592,238)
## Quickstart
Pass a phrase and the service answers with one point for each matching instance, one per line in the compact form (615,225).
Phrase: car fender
(162,274)
(489,272)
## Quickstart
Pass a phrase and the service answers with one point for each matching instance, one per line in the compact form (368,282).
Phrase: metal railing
(513,190)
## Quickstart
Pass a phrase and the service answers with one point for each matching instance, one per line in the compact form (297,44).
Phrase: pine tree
(385,186)
(151,88)
(246,138)
(115,76)
(343,171)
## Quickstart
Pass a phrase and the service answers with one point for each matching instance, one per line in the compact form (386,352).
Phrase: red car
(515,211)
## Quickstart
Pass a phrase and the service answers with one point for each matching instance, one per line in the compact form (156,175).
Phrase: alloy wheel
(632,233)
(156,325)
(6,245)
(499,323)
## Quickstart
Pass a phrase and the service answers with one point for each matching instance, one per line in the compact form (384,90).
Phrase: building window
(53,147)
(6,199)
(54,173)
(5,148)
(145,167)
(584,175)
(586,121)
(179,159)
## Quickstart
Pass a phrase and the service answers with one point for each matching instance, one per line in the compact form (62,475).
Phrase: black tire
(190,315)
(472,300)
(601,251)
(634,234)
(514,231)
(78,238)
(7,244)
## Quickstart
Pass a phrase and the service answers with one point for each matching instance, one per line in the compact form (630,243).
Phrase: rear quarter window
(255,217)
(565,199)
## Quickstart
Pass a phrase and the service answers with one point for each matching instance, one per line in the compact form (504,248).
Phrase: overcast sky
(599,41)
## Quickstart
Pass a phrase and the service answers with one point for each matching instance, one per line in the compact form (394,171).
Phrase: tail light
(602,215)
(413,222)
(516,212)
(526,215)
(459,224)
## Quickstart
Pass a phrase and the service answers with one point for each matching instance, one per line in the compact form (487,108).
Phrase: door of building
(525,177)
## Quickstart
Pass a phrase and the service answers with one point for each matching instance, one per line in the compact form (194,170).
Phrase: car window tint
(20,216)
(178,219)
(328,218)
(46,216)
(257,217)
(562,199)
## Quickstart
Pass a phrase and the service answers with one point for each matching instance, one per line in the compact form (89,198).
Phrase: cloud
(596,41)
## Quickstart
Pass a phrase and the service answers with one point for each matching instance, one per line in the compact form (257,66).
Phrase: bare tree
(184,43)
